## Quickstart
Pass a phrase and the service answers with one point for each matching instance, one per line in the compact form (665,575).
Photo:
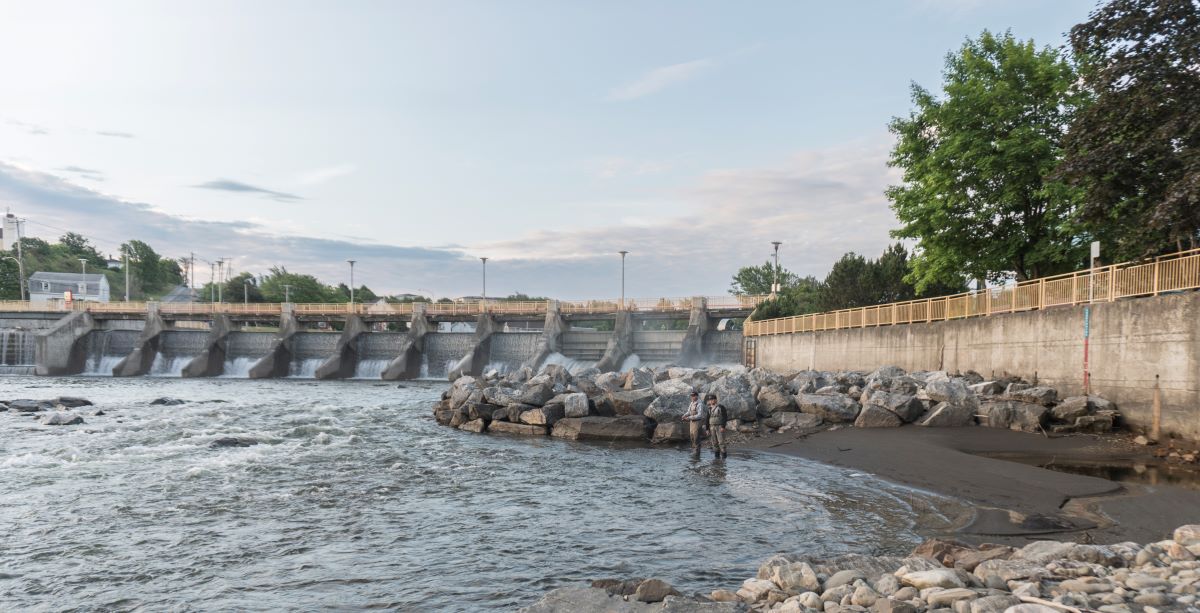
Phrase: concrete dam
(296,343)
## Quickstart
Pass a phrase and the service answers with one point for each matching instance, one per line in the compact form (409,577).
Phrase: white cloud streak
(659,79)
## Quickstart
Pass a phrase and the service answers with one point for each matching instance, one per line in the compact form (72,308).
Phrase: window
(45,286)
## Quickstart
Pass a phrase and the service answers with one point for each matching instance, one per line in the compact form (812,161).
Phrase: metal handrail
(1167,273)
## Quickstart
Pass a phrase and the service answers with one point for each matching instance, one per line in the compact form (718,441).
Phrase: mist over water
(355,498)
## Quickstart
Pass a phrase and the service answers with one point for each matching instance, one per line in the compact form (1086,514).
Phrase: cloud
(820,203)
(30,128)
(659,79)
(114,134)
(229,185)
(612,167)
(86,173)
(321,175)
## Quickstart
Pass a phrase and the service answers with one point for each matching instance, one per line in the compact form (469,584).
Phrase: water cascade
(243,349)
(309,351)
(16,351)
(106,348)
(444,349)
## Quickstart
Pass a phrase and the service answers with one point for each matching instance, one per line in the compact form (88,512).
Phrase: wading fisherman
(717,416)
(695,417)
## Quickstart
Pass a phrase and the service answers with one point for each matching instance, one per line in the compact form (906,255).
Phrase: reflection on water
(1151,474)
(354,498)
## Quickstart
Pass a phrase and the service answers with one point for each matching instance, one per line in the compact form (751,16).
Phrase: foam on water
(102,366)
(164,366)
(572,365)
(304,369)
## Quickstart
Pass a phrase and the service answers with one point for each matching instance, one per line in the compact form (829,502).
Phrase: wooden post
(1156,425)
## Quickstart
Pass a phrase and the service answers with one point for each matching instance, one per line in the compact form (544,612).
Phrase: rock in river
(624,428)
(61,418)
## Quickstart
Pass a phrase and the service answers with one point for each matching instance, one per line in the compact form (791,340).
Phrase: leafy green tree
(76,246)
(757,280)
(850,283)
(800,298)
(975,194)
(240,287)
(304,288)
(1136,149)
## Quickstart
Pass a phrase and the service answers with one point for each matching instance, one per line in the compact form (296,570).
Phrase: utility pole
(212,282)
(287,293)
(192,281)
(351,284)
(623,254)
(220,279)
(126,266)
(484,278)
(246,292)
(775,279)
(82,278)
(20,271)
(24,283)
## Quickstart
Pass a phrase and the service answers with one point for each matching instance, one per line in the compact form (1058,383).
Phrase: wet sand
(1014,502)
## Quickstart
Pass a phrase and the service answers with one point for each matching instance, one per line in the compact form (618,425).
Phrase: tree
(975,196)
(849,284)
(77,246)
(1136,149)
(242,287)
(303,288)
(756,280)
(800,298)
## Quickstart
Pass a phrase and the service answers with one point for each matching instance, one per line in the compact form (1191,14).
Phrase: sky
(417,137)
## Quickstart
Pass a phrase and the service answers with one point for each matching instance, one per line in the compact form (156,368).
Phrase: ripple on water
(353,498)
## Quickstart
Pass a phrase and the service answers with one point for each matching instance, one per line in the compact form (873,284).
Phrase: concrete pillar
(211,361)
(620,346)
(692,351)
(407,365)
(278,360)
(141,359)
(473,363)
(344,360)
(59,349)
(551,341)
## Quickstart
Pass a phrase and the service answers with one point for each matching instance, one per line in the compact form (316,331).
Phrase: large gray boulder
(632,402)
(610,381)
(543,416)
(832,408)
(875,416)
(507,427)
(639,379)
(734,393)
(947,415)
(1071,408)
(1042,395)
(908,407)
(624,428)
(943,389)
(576,405)
(672,387)
(502,396)
(798,421)
(668,408)
(809,381)
(1012,415)
(537,394)
(775,399)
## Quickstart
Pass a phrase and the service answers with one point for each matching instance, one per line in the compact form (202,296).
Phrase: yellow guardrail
(1168,273)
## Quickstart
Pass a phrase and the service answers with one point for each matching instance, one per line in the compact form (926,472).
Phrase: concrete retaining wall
(1132,341)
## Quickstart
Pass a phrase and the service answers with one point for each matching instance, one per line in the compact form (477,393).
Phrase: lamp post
(623,254)
(21,280)
(220,279)
(82,278)
(351,262)
(287,293)
(484,278)
(246,292)
(775,277)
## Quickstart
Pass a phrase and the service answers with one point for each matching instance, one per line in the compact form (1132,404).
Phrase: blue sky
(416,137)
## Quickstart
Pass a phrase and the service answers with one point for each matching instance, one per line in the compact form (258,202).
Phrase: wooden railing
(1168,273)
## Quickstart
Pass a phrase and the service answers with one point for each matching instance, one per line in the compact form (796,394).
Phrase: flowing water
(354,498)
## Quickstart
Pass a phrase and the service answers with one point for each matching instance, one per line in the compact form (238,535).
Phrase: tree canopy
(1135,150)
(975,160)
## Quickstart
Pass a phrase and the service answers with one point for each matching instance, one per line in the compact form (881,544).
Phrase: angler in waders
(695,418)
(717,416)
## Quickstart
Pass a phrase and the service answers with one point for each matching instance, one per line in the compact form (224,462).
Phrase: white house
(46,286)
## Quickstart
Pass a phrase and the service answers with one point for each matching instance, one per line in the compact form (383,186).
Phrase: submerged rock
(167,401)
(72,402)
(234,441)
(61,418)
(29,406)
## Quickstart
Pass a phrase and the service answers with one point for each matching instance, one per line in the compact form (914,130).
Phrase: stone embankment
(940,575)
(647,404)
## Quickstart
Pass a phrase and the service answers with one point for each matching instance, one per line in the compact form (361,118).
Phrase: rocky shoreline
(647,404)
(943,576)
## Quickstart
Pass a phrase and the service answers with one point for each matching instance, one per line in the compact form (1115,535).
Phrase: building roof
(67,281)
(65,277)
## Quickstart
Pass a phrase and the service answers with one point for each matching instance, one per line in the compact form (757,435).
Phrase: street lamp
(287,293)
(775,278)
(21,280)
(484,278)
(623,254)
(351,284)
(220,279)
(82,278)
(246,291)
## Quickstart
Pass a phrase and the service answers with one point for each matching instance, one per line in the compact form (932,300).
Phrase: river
(355,499)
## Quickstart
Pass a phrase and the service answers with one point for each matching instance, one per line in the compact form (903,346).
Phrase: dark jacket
(718,415)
